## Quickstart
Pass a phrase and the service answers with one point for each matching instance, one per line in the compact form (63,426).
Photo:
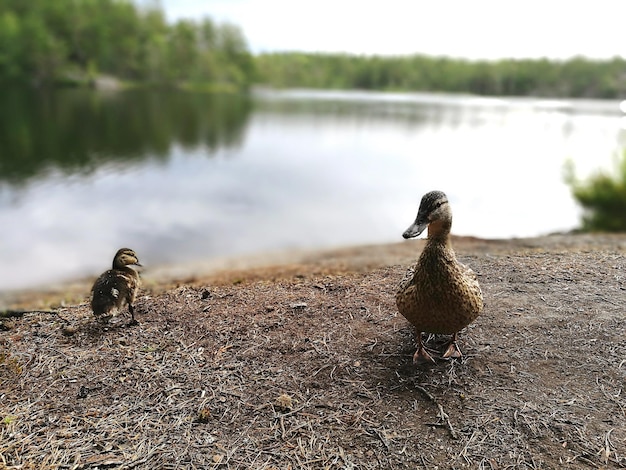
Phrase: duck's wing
(470,278)
(407,279)
(467,271)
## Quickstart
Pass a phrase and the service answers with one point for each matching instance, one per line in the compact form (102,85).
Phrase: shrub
(603,198)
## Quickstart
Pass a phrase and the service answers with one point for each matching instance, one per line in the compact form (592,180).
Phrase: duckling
(117,286)
(439,295)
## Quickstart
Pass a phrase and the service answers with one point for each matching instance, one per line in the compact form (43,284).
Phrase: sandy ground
(306,364)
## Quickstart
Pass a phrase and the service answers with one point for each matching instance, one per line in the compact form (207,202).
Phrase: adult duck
(438,295)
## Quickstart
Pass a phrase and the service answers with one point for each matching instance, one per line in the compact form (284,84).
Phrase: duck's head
(434,212)
(125,257)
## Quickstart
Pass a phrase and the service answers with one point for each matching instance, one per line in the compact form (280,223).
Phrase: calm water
(181,177)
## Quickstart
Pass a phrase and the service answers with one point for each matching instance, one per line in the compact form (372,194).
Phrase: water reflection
(79,130)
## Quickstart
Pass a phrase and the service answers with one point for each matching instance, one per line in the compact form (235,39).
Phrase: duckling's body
(439,295)
(117,286)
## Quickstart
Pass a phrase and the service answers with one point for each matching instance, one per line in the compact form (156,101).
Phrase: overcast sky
(474,29)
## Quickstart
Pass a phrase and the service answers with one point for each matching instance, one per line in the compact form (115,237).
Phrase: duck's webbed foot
(421,355)
(452,350)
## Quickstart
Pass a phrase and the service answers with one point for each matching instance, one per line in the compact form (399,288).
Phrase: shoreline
(271,266)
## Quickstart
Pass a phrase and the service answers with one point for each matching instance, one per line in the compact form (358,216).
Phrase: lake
(181,177)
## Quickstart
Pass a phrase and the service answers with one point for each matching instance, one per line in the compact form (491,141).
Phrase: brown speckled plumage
(116,287)
(439,295)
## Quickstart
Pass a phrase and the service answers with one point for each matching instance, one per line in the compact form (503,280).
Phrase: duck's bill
(414,230)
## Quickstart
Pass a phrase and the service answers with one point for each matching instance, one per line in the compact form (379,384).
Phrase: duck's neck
(439,231)
(118,265)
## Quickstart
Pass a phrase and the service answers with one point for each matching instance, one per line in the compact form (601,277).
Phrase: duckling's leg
(452,351)
(421,355)
(103,318)
(130,299)
(131,309)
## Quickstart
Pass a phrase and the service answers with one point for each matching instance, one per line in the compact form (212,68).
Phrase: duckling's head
(435,213)
(125,257)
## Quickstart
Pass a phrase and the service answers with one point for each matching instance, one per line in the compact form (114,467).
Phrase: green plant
(602,196)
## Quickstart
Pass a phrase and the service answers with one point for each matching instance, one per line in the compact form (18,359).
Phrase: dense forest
(577,77)
(75,41)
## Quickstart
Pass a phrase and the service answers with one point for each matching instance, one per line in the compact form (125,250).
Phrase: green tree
(232,51)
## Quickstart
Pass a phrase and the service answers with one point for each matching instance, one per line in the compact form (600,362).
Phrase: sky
(473,29)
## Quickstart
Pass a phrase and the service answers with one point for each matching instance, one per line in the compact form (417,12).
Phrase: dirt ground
(307,365)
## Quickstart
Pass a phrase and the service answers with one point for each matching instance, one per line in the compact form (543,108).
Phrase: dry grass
(312,370)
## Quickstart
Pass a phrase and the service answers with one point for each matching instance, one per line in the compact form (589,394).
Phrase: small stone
(68,330)
(203,415)
(284,402)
